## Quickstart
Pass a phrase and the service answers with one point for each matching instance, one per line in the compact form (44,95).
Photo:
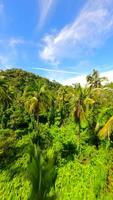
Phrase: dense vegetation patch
(56,142)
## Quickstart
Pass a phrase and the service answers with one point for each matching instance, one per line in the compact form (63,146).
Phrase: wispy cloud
(13,42)
(9,51)
(53,70)
(88,31)
(45,7)
(1,8)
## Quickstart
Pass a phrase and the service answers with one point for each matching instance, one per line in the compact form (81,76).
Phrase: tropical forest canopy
(56,142)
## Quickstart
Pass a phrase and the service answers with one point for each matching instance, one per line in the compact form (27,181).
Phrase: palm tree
(62,102)
(38,99)
(107,130)
(51,117)
(94,80)
(79,107)
(33,106)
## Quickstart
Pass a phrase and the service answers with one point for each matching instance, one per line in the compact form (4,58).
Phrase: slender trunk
(38,108)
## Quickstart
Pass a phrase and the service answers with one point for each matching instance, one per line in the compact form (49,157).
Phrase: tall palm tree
(62,101)
(36,101)
(94,80)
(79,108)
(51,117)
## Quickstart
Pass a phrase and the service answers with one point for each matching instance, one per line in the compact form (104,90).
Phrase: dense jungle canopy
(56,142)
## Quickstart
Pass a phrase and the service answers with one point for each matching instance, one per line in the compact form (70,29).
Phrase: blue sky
(63,40)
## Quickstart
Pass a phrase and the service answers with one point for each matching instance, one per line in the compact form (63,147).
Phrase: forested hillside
(56,142)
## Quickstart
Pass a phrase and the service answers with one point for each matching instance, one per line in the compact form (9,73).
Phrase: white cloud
(82,78)
(78,79)
(108,74)
(45,6)
(88,31)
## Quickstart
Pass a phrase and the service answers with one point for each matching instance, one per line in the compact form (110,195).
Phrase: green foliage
(85,178)
(69,130)
(43,138)
(42,174)
(14,183)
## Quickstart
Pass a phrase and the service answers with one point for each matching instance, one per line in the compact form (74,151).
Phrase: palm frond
(107,130)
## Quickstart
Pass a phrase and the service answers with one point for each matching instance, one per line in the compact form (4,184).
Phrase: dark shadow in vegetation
(44,140)
(43,119)
(94,140)
(20,133)
(10,154)
(111,139)
(68,151)
(13,172)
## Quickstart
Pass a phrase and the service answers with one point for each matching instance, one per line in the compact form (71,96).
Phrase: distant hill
(19,79)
